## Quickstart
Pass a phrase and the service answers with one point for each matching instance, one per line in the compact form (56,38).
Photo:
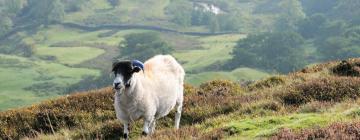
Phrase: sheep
(148,91)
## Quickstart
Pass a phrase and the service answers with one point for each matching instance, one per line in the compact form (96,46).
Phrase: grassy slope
(73,55)
(129,12)
(218,109)
(82,46)
(18,73)
(214,49)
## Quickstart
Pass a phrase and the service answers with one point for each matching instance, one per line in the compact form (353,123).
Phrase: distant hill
(69,45)
(320,101)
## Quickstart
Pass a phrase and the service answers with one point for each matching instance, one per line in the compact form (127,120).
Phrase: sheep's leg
(152,126)
(178,115)
(126,131)
(146,127)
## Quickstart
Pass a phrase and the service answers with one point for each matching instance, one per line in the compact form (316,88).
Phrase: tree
(349,10)
(291,13)
(181,12)
(333,28)
(73,5)
(5,25)
(13,7)
(339,48)
(199,17)
(353,34)
(229,22)
(318,6)
(25,49)
(312,26)
(114,3)
(44,11)
(214,25)
(142,46)
(279,51)
(57,12)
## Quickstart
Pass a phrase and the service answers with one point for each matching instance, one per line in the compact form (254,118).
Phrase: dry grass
(329,89)
(267,83)
(50,116)
(336,131)
(90,115)
(96,107)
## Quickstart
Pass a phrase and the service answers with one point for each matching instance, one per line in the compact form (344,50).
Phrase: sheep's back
(163,65)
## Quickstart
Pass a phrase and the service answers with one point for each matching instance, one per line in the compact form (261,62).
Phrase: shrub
(190,90)
(220,88)
(349,67)
(114,3)
(316,68)
(215,98)
(333,89)
(267,83)
(65,112)
(313,107)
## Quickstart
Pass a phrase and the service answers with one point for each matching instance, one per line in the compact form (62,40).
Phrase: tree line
(307,34)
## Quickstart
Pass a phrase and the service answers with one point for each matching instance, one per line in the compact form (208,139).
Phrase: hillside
(78,59)
(321,101)
(52,48)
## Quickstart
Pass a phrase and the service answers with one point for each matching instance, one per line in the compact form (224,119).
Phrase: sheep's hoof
(126,136)
(144,133)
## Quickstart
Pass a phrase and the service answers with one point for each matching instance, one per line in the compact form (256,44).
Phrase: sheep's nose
(116,85)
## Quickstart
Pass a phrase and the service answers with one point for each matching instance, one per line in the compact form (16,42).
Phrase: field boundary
(115,27)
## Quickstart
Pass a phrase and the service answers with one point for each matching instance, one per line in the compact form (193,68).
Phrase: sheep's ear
(138,65)
(136,69)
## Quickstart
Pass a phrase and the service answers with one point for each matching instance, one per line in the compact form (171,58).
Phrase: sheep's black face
(123,71)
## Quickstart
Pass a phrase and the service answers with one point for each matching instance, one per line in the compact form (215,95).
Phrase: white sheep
(149,92)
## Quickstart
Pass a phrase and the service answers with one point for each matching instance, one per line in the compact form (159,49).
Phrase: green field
(18,74)
(240,74)
(266,126)
(70,55)
(213,49)
(59,36)
(71,47)
(60,48)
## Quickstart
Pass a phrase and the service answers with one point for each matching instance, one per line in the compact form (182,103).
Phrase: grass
(269,125)
(56,34)
(18,73)
(240,74)
(70,55)
(215,49)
